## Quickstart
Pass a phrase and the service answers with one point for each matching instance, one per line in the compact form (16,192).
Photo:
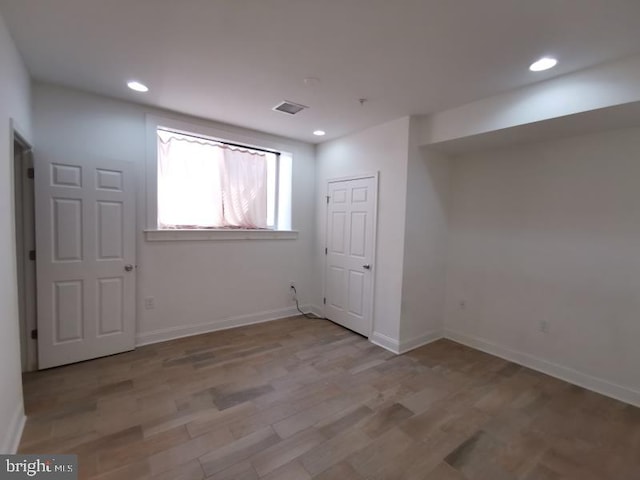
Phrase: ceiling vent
(289,107)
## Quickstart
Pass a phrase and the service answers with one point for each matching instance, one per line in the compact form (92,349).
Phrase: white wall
(425,244)
(197,285)
(14,104)
(551,232)
(383,148)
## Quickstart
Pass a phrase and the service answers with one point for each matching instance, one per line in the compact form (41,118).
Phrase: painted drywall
(15,104)
(550,233)
(602,86)
(382,149)
(197,285)
(425,244)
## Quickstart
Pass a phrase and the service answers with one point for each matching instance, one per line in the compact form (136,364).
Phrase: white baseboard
(400,347)
(314,309)
(385,342)
(180,331)
(407,345)
(604,387)
(13,433)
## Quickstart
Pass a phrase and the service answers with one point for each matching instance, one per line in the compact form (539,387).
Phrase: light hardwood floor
(299,399)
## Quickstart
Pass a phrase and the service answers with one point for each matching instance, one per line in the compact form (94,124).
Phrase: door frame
(25,280)
(376,176)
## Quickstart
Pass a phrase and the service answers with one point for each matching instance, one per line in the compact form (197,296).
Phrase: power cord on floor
(306,315)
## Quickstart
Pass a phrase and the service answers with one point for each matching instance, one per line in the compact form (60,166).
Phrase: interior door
(350,253)
(85,247)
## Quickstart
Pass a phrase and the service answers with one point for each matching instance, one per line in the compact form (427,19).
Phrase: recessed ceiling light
(319,133)
(137,86)
(545,63)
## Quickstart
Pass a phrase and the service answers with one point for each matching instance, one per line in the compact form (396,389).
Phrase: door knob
(128,267)
(366,267)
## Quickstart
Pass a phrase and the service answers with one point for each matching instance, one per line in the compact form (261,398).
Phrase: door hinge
(34,334)
(32,254)
(324,300)
(328,197)
(31,173)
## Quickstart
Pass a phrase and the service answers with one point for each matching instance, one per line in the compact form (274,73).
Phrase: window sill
(207,235)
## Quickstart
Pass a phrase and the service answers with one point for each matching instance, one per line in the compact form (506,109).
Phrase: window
(204,183)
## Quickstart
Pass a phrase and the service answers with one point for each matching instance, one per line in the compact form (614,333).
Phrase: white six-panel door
(85,247)
(350,253)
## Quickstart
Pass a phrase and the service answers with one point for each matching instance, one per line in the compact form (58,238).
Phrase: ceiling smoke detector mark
(290,108)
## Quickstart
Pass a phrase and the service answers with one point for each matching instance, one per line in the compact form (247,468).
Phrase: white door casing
(25,242)
(350,251)
(85,247)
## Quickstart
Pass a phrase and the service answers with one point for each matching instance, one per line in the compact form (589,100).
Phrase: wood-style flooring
(299,399)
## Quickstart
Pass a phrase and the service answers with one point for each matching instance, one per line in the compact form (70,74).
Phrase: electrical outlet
(149,303)
(544,326)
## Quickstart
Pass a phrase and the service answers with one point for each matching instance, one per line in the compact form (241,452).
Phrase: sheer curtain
(205,184)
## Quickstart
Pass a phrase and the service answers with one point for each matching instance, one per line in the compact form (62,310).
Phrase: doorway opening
(24,214)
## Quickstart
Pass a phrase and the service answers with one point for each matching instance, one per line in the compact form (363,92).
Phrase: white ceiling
(233,60)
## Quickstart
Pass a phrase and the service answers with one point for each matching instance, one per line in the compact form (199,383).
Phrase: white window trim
(170,235)
(155,234)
